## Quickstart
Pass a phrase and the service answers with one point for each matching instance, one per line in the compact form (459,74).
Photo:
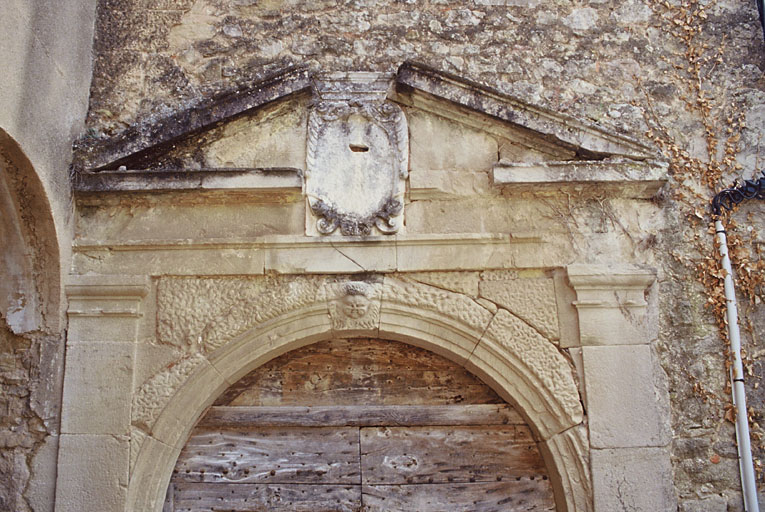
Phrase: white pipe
(746,466)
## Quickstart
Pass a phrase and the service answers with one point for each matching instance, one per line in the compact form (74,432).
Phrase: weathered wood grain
(312,429)
(515,496)
(410,455)
(169,505)
(361,415)
(264,497)
(271,455)
(358,372)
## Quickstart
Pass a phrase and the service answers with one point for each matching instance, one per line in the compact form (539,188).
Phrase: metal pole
(746,466)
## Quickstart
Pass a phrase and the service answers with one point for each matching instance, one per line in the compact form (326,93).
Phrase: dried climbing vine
(693,67)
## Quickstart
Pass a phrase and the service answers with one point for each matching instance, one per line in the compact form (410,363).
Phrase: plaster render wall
(593,60)
(45,52)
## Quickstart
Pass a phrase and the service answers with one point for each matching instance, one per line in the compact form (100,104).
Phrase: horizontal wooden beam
(361,416)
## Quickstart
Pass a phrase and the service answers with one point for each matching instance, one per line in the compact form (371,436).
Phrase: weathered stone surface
(229,218)
(449,251)
(531,299)
(15,473)
(155,393)
(446,184)
(31,370)
(177,258)
(441,145)
(188,307)
(137,437)
(440,301)
(625,179)
(354,306)
(148,476)
(97,375)
(460,215)
(41,489)
(509,342)
(152,357)
(207,313)
(541,357)
(573,465)
(331,255)
(274,137)
(357,156)
(130,147)
(633,479)
(611,303)
(465,283)
(568,320)
(92,473)
(710,504)
(610,375)
(261,183)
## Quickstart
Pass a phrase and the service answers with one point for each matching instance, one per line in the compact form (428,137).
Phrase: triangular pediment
(447,136)
(260,126)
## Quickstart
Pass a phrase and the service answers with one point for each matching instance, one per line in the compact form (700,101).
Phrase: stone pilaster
(627,411)
(94,455)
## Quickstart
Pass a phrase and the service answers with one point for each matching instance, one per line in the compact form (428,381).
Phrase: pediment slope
(262,131)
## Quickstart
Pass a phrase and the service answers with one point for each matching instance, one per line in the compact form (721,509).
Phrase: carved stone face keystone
(355,306)
(355,303)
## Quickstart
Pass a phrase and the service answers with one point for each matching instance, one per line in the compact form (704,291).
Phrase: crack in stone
(347,257)
(526,322)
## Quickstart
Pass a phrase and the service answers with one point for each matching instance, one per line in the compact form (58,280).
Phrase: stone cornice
(589,141)
(626,178)
(141,141)
(262,180)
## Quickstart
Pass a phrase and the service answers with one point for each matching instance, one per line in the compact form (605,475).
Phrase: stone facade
(527,229)
(170,318)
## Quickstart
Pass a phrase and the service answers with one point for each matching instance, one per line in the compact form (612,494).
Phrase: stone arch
(30,290)
(522,366)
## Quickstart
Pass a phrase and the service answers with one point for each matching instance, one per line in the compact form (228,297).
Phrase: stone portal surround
(120,438)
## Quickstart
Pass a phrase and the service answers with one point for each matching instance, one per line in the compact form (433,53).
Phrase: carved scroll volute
(357,157)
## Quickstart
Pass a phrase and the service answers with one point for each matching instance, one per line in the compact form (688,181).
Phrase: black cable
(749,189)
(761,10)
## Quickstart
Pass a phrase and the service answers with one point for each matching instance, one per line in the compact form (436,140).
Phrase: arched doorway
(30,284)
(360,424)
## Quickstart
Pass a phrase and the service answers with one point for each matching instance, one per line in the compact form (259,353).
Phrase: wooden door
(360,425)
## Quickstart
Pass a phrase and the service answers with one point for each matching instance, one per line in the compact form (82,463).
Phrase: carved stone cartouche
(357,155)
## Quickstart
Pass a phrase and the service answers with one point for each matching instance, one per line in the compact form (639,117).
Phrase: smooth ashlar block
(625,409)
(92,473)
(633,479)
(97,386)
